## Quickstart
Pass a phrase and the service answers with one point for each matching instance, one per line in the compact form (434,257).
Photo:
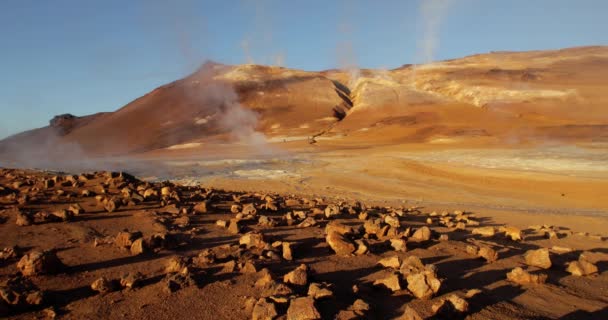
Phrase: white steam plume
(432,13)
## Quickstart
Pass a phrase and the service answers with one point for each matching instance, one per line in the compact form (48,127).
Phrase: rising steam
(432,13)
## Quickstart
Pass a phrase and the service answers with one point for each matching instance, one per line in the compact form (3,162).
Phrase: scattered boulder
(538,258)
(23,219)
(484,231)
(138,247)
(582,267)
(399,244)
(319,291)
(512,232)
(422,234)
(450,307)
(125,239)
(299,276)
(391,282)
(390,262)
(131,280)
(302,309)
(488,253)
(103,285)
(362,247)
(423,285)
(264,310)
(40,262)
(253,240)
(339,244)
(522,277)
(201,207)
(332,210)
(287,254)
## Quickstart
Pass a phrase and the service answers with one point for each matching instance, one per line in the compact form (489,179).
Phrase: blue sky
(81,57)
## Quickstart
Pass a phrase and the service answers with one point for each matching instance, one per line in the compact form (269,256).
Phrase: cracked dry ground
(108,246)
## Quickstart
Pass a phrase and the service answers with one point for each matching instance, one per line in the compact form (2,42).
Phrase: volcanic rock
(512,232)
(319,291)
(125,239)
(287,254)
(302,309)
(362,247)
(339,244)
(488,253)
(253,240)
(522,277)
(424,284)
(484,231)
(39,262)
(582,267)
(103,285)
(23,219)
(332,210)
(538,258)
(391,282)
(399,245)
(298,276)
(390,262)
(264,310)
(422,234)
(131,280)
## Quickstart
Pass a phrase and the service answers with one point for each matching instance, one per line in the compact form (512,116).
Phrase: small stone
(131,280)
(512,232)
(252,240)
(488,253)
(75,209)
(138,247)
(522,277)
(39,262)
(423,285)
(176,264)
(410,314)
(444,237)
(103,285)
(560,249)
(582,267)
(302,309)
(287,254)
(23,219)
(221,223)
(331,210)
(234,227)
(299,276)
(472,292)
(110,205)
(362,247)
(125,239)
(399,245)
(538,258)
(339,244)
(390,262)
(264,310)
(201,207)
(422,234)
(319,291)
(248,267)
(249,210)
(484,231)
(392,221)
(391,282)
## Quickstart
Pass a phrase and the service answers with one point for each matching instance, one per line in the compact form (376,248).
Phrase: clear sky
(82,57)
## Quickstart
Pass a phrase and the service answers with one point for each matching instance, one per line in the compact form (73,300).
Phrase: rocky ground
(107,245)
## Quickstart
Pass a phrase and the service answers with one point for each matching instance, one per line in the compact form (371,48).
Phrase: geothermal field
(470,188)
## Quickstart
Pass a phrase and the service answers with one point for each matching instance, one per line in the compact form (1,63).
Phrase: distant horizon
(68,57)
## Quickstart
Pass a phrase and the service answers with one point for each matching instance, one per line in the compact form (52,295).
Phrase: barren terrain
(477,166)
